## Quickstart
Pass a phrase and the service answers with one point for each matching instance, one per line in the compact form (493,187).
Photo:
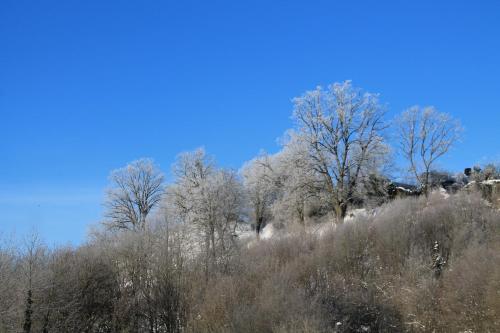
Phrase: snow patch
(268,231)
(352,214)
(442,192)
(404,189)
(491,182)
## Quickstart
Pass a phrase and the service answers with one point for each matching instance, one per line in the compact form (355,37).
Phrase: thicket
(414,265)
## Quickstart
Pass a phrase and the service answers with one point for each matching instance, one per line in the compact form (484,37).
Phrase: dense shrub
(375,274)
(414,265)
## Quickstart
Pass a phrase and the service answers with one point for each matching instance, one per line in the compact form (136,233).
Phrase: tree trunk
(426,184)
(28,312)
(207,255)
(340,211)
(214,249)
(258,227)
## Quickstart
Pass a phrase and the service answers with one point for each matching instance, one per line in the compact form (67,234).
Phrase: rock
(489,189)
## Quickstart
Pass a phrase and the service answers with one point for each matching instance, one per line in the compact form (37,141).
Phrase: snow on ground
(443,193)
(268,232)
(485,182)
(491,182)
(319,230)
(404,189)
(355,213)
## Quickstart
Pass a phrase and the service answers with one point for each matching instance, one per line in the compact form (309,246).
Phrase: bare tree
(138,188)
(31,265)
(9,286)
(425,135)
(341,128)
(260,180)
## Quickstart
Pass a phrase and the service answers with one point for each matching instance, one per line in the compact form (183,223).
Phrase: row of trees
(337,147)
(116,282)
(160,239)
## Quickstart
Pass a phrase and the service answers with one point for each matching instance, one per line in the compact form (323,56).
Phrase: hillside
(416,265)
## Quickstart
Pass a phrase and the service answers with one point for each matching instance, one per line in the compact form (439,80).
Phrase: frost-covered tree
(221,207)
(425,135)
(211,201)
(488,172)
(191,171)
(341,128)
(136,190)
(261,184)
(375,190)
(298,187)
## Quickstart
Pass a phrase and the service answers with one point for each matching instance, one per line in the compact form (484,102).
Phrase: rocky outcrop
(489,189)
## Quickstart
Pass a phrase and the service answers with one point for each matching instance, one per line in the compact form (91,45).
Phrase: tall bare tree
(425,135)
(33,255)
(137,189)
(9,275)
(341,128)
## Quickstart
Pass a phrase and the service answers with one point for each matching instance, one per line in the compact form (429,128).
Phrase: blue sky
(87,86)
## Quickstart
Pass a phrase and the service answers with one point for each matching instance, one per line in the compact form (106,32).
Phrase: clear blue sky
(87,86)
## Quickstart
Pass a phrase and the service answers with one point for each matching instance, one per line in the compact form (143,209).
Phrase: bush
(415,265)
(375,274)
